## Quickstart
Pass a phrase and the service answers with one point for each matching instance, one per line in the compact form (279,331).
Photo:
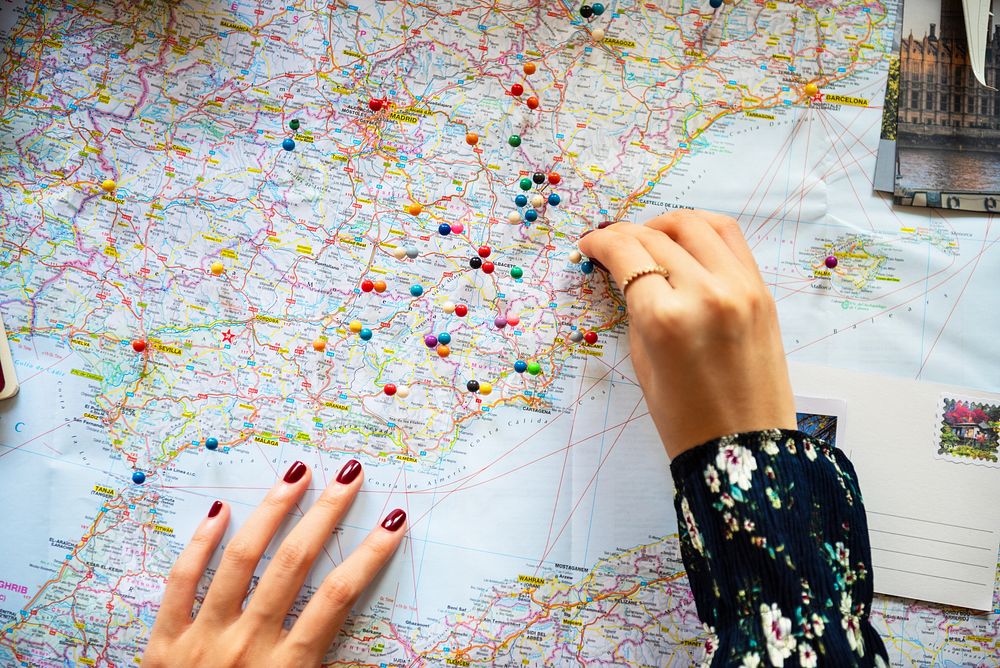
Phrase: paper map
(542,530)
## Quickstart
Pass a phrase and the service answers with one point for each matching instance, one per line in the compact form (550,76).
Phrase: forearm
(775,541)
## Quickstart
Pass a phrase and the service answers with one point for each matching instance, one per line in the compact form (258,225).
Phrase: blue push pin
(288,144)
(366,334)
(416,290)
(521,200)
(444,229)
(531,215)
(212,443)
(587,267)
(520,366)
(714,4)
(138,477)
(444,337)
(599,8)
(554,199)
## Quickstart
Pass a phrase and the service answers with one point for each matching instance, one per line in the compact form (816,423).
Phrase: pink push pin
(830,262)
(457,228)
(500,322)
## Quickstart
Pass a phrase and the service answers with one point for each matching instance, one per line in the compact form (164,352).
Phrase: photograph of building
(948,132)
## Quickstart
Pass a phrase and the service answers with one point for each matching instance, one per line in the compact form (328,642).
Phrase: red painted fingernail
(394,520)
(349,472)
(295,472)
(215,509)
(586,233)
(606,223)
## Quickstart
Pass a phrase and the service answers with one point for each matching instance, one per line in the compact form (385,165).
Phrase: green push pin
(525,183)
(534,368)
(515,140)
(294,124)
(516,272)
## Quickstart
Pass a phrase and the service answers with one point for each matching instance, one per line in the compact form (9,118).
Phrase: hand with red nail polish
(226,632)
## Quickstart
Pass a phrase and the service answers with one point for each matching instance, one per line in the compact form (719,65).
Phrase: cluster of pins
(590,12)
(527,214)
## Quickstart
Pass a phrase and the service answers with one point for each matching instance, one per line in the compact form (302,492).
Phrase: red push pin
(138,345)
(367,285)
(375,104)
(484,251)
(461,310)
(532,102)
(488,267)
(554,178)
(389,389)
(517,90)
(590,337)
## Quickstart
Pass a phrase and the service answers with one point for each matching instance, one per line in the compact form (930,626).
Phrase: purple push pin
(430,341)
(500,322)
(830,262)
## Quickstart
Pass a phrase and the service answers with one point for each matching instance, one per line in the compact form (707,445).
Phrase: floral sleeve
(775,542)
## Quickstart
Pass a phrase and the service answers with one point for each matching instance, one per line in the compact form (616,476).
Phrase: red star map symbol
(228,337)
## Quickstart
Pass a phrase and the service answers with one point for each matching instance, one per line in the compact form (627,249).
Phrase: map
(300,192)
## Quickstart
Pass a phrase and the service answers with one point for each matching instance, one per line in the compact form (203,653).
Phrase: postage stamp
(968,431)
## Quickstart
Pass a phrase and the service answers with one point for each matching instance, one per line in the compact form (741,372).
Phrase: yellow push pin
(217,268)
(319,345)
(108,186)
(485,388)
(812,90)
(414,209)
(355,326)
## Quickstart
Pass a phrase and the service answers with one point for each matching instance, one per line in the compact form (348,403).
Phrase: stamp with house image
(968,431)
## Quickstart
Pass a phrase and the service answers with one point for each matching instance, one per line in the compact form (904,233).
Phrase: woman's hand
(225,633)
(705,343)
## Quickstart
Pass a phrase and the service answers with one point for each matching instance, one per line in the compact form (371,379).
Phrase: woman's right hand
(705,343)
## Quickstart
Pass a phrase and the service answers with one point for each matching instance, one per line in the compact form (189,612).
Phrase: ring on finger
(645,271)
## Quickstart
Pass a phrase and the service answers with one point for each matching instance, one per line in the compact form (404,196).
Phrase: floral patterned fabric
(775,541)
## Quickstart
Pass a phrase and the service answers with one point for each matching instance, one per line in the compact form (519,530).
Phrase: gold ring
(645,271)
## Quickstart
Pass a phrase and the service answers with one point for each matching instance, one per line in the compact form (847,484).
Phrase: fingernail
(295,472)
(586,233)
(394,520)
(349,472)
(215,509)
(597,263)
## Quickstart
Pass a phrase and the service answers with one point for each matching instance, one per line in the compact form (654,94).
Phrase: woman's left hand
(227,634)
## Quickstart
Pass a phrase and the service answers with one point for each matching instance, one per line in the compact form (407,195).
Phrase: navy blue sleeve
(775,541)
